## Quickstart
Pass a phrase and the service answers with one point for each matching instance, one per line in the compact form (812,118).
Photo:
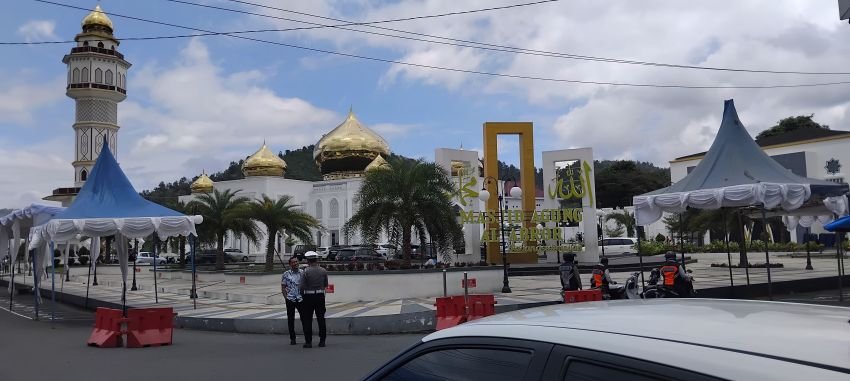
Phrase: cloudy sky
(198,103)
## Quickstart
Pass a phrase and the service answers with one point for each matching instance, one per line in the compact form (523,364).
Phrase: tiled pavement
(221,302)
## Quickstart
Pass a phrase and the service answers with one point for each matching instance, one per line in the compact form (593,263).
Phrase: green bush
(660,238)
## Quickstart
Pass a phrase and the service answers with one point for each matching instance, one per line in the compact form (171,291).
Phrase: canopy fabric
(108,204)
(33,215)
(839,225)
(735,172)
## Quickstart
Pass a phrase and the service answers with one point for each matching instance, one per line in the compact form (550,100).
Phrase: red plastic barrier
(107,328)
(451,311)
(591,295)
(481,306)
(149,327)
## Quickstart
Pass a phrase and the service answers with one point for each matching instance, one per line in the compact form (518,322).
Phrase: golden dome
(203,184)
(97,19)
(348,149)
(264,163)
(378,163)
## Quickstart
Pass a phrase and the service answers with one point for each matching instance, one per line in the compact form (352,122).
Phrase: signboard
(469,283)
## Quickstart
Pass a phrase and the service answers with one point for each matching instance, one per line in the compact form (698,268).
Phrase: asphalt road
(46,351)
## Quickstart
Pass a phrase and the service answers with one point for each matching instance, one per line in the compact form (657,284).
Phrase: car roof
(810,334)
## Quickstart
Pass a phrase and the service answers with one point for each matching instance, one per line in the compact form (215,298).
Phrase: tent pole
(728,253)
(34,269)
(838,236)
(682,238)
(88,277)
(52,285)
(194,293)
(155,255)
(743,248)
(766,252)
(639,230)
(12,281)
(808,249)
(136,257)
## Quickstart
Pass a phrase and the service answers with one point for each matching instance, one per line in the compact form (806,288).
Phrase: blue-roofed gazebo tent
(736,173)
(108,205)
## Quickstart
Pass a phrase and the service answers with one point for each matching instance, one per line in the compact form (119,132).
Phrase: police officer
(314,281)
(674,276)
(601,277)
(570,278)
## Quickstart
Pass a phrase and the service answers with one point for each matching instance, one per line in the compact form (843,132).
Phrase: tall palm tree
(281,215)
(624,219)
(409,197)
(224,212)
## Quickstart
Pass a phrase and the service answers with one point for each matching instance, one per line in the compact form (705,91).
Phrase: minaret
(97,81)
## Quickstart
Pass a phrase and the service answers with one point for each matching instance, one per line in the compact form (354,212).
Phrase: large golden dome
(203,184)
(348,149)
(97,20)
(264,163)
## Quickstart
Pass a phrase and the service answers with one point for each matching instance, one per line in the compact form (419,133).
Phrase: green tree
(224,212)
(617,182)
(792,123)
(411,197)
(615,232)
(624,219)
(278,216)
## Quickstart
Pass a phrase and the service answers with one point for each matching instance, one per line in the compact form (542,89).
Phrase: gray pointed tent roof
(735,159)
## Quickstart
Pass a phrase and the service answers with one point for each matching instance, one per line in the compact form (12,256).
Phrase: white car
(618,246)
(323,252)
(145,257)
(660,339)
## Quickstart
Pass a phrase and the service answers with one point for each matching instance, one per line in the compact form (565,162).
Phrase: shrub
(660,238)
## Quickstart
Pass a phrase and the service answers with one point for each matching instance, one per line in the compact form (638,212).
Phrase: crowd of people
(670,275)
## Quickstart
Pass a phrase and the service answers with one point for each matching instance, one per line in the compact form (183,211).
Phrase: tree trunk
(182,243)
(405,244)
(270,249)
(219,253)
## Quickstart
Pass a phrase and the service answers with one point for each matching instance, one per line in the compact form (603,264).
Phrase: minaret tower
(97,81)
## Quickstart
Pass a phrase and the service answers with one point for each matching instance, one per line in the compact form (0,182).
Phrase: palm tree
(281,215)
(624,219)
(223,212)
(410,197)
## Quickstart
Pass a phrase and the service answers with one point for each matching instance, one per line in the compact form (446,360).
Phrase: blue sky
(198,103)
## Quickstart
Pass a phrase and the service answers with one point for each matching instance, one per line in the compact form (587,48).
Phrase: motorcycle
(653,290)
(630,289)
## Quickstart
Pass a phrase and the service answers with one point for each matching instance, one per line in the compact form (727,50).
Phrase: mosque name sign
(521,235)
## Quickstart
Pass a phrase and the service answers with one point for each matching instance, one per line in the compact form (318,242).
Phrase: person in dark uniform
(674,276)
(314,281)
(570,277)
(601,277)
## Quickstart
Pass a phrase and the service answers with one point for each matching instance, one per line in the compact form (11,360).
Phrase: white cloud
(33,171)
(193,115)
(23,97)
(638,123)
(38,30)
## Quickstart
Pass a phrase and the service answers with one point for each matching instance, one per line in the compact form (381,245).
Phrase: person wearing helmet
(570,277)
(601,277)
(673,275)
(314,281)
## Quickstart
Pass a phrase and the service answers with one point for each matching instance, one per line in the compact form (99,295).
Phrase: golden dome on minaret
(348,149)
(203,184)
(264,163)
(378,163)
(97,19)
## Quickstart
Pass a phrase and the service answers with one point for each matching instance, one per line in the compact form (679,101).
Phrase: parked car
(147,258)
(386,250)
(615,246)
(323,252)
(722,340)
(170,257)
(204,257)
(299,250)
(332,252)
(235,255)
(361,254)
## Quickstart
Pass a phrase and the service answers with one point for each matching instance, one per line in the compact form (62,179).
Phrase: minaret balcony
(95,49)
(96,86)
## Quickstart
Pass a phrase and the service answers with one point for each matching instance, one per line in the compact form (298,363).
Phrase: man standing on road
(314,281)
(290,286)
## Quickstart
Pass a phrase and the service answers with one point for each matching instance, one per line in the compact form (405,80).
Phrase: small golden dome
(458,168)
(348,149)
(264,163)
(203,184)
(378,163)
(97,19)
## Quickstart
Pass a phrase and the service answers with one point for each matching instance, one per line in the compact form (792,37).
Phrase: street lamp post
(599,215)
(484,195)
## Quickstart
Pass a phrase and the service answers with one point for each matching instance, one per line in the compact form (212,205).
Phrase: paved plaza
(259,308)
